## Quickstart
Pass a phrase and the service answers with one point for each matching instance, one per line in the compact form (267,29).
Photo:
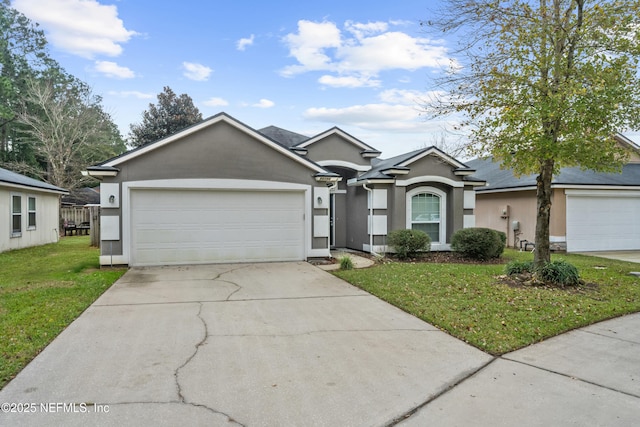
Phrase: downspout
(370,190)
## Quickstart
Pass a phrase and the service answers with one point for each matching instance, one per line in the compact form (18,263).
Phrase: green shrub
(409,242)
(559,272)
(518,267)
(478,243)
(346,263)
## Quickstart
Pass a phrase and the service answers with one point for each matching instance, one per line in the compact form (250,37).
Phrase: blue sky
(305,66)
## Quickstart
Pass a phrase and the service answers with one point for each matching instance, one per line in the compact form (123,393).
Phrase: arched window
(426,212)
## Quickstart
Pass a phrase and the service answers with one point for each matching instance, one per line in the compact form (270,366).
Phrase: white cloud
(197,72)
(368,116)
(264,103)
(113,70)
(132,93)
(348,81)
(82,27)
(215,102)
(243,43)
(361,30)
(359,52)
(309,46)
(406,97)
(398,110)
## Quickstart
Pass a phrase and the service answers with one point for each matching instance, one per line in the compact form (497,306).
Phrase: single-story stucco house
(31,211)
(590,211)
(220,191)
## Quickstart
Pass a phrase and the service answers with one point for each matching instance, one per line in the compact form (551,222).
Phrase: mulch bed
(446,258)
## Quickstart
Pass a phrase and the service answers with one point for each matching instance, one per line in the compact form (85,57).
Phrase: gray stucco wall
(334,147)
(218,151)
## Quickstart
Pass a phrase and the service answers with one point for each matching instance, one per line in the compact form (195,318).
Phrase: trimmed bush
(478,243)
(560,273)
(346,263)
(518,267)
(408,243)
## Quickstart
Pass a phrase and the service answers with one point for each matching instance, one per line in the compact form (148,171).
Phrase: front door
(338,219)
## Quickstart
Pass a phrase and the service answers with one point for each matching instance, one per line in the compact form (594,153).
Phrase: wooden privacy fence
(83,214)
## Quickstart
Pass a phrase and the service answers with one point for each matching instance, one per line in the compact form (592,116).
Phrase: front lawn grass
(42,290)
(470,302)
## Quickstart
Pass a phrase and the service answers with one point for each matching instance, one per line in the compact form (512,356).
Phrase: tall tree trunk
(543,196)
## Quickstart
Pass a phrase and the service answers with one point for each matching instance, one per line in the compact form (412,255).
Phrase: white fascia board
(353,182)
(604,189)
(224,118)
(430,178)
(336,131)
(505,190)
(29,188)
(606,192)
(344,164)
(394,171)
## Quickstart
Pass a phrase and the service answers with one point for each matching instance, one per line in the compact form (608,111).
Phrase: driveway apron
(281,344)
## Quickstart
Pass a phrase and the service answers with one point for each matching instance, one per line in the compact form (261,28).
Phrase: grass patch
(42,290)
(470,302)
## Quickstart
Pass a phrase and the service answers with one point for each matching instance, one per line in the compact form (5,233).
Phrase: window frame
(442,230)
(30,212)
(15,232)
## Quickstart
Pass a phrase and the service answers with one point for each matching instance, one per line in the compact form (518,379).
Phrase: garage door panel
(189,226)
(599,223)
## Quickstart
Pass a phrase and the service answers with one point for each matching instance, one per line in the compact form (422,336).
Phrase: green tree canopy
(543,85)
(23,55)
(171,114)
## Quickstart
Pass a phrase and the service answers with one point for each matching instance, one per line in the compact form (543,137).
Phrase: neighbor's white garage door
(603,222)
(193,226)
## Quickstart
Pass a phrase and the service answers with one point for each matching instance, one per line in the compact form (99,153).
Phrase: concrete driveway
(288,344)
(630,256)
(283,344)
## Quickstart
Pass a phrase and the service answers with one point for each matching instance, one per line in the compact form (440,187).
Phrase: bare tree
(68,129)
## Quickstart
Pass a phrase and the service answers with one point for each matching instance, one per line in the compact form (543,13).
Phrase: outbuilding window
(16,215)
(31,212)
(426,212)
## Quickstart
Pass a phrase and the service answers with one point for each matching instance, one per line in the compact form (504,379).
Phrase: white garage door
(603,222)
(193,226)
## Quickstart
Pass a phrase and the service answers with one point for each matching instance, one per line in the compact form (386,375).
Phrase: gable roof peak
(366,149)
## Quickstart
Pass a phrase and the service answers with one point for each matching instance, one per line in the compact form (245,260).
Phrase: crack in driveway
(176,373)
(197,347)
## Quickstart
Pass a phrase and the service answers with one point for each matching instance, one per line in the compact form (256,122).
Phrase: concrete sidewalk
(587,377)
(287,344)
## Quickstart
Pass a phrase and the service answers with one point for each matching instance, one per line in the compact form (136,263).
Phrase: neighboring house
(220,191)
(590,211)
(30,214)
(82,197)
